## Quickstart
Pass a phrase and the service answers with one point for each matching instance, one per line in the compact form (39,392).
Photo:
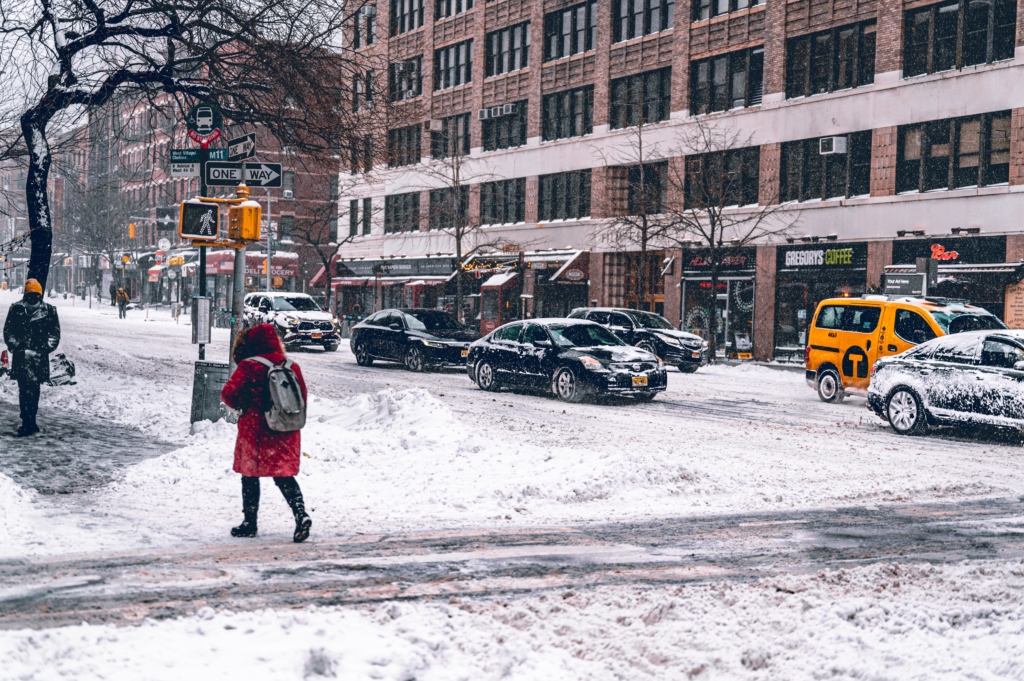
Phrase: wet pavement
(258,573)
(74,453)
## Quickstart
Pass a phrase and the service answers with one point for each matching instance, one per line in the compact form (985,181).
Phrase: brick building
(922,102)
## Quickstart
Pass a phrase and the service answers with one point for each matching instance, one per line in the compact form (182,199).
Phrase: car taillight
(3,358)
(807,355)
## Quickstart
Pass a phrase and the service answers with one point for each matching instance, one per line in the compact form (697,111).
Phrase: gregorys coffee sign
(832,257)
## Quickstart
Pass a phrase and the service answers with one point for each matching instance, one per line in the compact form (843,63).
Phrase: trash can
(207,382)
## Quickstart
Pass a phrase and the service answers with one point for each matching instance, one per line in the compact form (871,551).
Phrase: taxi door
(858,343)
(903,327)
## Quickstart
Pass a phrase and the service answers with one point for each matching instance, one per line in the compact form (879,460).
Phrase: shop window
(406,15)
(705,9)
(449,8)
(364,27)
(728,81)
(508,49)
(723,178)
(453,140)
(447,211)
(569,113)
(635,18)
(833,60)
(453,65)
(506,131)
(952,35)
(402,213)
(405,79)
(404,146)
(570,31)
(912,327)
(359,214)
(953,153)
(807,174)
(564,196)
(641,98)
(503,202)
(288,181)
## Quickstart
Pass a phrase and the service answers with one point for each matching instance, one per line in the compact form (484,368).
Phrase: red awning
(319,278)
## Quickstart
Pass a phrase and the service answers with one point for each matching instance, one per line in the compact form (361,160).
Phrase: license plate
(639,381)
(695,355)
(318,335)
(465,353)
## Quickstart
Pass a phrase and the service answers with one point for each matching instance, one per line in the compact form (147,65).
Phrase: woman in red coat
(260,451)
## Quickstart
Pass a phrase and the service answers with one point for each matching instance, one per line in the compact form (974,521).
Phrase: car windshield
(295,304)
(583,335)
(649,320)
(431,320)
(953,321)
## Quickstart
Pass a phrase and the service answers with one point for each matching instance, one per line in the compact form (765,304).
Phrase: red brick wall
(879,255)
(883,162)
(889,38)
(764,304)
(1017,146)
(768,191)
(775,47)
(672,290)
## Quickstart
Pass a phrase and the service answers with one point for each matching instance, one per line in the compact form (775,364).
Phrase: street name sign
(242,148)
(185,162)
(256,174)
(199,220)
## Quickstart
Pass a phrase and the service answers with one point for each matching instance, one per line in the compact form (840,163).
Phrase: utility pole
(270,242)
(204,156)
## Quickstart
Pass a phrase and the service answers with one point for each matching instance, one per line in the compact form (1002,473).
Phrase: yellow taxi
(848,335)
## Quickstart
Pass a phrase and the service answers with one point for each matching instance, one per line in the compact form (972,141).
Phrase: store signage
(699,261)
(574,275)
(904,284)
(397,267)
(1013,312)
(838,256)
(970,250)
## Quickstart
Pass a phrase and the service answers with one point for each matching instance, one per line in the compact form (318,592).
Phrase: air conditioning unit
(483,114)
(495,112)
(433,126)
(370,11)
(831,145)
(509,109)
(288,194)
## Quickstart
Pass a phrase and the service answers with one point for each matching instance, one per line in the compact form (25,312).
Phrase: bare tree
(713,182)
(264,62)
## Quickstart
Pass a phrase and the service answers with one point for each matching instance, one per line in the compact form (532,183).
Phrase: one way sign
(242,147)
(256,174)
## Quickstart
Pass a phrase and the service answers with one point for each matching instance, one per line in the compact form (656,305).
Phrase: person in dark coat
(113,293)
(122,304)
(31,332)
(259,451)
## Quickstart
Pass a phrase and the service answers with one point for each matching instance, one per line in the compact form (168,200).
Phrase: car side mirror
(545,343)
(1018,366)
(395,326)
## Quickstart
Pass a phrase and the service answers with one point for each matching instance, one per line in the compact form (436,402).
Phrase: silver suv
(298,319)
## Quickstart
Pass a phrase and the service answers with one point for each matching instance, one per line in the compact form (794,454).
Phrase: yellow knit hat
(32,286)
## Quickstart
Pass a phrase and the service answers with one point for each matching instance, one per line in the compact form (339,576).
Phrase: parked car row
(592,352)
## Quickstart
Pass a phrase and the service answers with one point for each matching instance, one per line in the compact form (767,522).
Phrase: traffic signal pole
(204,156)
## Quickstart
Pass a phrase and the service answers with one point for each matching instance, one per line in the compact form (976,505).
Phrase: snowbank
(888,621)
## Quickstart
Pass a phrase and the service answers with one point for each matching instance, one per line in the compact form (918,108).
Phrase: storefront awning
(1005,268)
(577,270)
(385,281)
(499,280)
(318,278)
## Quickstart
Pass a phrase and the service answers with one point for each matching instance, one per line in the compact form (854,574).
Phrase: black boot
(293,495)
(250,507)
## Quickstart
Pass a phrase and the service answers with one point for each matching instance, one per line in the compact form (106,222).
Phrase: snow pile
(15,506)
(887,621)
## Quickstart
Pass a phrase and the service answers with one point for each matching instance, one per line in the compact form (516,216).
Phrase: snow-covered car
(296,316)
(651,332)
(418,338)
(975,377)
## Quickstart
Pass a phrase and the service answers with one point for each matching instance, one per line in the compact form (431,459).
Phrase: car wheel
(363,357)
(565,385)
(414,359)
(830,387)
(646,397)
(331,347)
(647,346)
(905,412)
(688,368)
(486,378)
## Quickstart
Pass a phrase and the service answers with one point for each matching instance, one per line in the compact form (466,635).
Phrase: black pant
(122,311)
(28,400)
(289,488)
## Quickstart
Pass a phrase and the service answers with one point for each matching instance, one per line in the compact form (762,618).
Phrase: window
(362,154)
(1000,354)
(570,31)
(535,333)
(362,91)
(406,15)
(957,152)
(952,35)
(404,146)
(807,174)
(405,79)
(832,60)
(359,216)
(503,203)
(564,196)
(641,98)
(288,181)
(446,213)
(449,8)
(453,65)
(402,213)
(510,333)
(569,113)
(645,187)
(634,18)
(333,186)
(364,27)
(728,81)
(855,318)
(912,327)
(506,131)
(723,178)
(285,225)
(705,9)
(508,49)
(453,139)
(956,349)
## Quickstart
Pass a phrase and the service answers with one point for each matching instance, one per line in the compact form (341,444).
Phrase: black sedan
(572,358)
(418,338)
(966,378)
(652,332)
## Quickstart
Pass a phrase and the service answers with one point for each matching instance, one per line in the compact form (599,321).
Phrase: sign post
(204,124)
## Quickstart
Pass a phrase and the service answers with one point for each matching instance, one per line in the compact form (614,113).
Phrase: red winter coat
(260,451)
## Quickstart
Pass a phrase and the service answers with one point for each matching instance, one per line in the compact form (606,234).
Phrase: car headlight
(432,344)
(591,363)
(668,340)
(287,322)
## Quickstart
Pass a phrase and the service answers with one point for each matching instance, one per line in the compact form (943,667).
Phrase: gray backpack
(288,409)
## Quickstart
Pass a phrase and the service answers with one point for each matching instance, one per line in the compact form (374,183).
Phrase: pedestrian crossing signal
(199,221)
